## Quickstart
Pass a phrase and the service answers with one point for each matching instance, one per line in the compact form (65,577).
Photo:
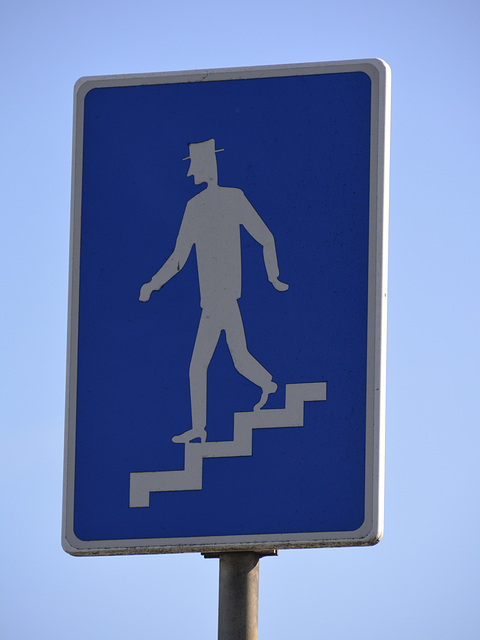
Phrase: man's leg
(207,337)
(205,343)
(243,360)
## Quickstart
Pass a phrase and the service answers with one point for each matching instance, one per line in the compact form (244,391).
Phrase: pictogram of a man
(211,222)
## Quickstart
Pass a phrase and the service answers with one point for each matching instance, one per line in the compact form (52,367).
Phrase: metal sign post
(238,594)
(227,311)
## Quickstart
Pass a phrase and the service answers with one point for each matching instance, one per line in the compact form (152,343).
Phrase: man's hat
(199,150)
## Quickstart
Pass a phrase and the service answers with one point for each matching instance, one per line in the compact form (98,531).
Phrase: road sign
(226,356)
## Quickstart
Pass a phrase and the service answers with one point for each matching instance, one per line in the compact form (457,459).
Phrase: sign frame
(371,530)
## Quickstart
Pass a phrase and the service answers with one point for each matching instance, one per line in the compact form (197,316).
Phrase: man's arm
(172,265)
(257,228)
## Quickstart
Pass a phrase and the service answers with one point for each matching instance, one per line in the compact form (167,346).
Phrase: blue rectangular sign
(227,310)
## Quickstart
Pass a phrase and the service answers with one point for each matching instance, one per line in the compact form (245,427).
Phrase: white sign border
(372,529)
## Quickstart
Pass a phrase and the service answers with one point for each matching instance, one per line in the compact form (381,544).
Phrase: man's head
(203,163)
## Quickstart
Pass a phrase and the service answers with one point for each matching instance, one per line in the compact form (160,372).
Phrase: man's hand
(146,292)
(279,286)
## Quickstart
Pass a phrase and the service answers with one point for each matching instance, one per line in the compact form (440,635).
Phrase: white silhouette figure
(212,222)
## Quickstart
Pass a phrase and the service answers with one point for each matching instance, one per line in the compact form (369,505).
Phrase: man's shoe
(191,435)
(271,387)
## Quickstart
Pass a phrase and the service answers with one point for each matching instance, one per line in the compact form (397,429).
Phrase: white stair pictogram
(190,478)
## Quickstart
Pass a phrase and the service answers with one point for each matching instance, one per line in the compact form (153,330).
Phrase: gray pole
(238,594)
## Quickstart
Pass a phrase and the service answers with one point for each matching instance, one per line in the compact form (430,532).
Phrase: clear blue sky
(422,580)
